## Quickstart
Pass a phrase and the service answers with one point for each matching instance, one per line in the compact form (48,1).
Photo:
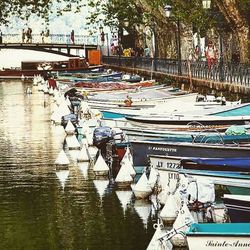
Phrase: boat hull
(238,210)
(18,73)
(183,121)
(227,236)
(141,149)
(218,242)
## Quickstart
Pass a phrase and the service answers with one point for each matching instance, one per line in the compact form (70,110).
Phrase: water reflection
(41,206)
(143,208)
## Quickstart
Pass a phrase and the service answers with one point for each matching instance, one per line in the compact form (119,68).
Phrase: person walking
(47,36)
(42,36)
(72,36)
(146,51)
(116,45)
(29,35)
(211,55)
(23,35)
(102,38)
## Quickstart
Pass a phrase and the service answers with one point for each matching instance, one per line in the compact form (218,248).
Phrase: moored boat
(236,164)
(31,68)
(226,236)
(184,120)
(238,207)
(217,164)
(225,178)
(208,136)
(170,168)
(185,149)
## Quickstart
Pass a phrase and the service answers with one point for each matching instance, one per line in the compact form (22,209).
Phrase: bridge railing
(51,39)
(235,73)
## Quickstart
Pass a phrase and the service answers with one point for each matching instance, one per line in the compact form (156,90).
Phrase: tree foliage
(244,8)
(225,15)
(139,12)
(42,8)
(234,14)
(116,13)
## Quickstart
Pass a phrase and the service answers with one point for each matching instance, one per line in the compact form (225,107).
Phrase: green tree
(115,13)
(235,15)
(43,8)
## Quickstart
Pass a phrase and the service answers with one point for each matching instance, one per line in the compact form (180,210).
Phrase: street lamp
(207,5)
(168,10)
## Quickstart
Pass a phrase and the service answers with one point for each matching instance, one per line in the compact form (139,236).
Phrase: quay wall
(202,86)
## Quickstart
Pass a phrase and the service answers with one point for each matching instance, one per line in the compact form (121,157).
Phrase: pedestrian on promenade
(23,35)
(102,38)
(146,51)
(29,35)
(72,36)
(42,36)
(197,53)
(211,55)
(112,49)
(1,37)
(116,45)
(119,50)
(47,34)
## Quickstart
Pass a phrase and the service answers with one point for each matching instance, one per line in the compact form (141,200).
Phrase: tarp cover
(202,191)
(236,130)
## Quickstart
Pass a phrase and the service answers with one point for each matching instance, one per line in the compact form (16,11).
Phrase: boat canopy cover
(219,229)
(236,130)
(243,162)
(202,191)
(70,93)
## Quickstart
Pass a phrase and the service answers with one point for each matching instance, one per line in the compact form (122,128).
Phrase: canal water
(42,208)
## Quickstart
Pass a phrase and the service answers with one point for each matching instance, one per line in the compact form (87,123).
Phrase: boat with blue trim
(228,236)
(143,148)
(184,120)
(238,207)
(217,164)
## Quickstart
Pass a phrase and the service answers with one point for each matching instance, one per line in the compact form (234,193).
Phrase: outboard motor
(75,104)
(72,117)
(70,93)
(101,136)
